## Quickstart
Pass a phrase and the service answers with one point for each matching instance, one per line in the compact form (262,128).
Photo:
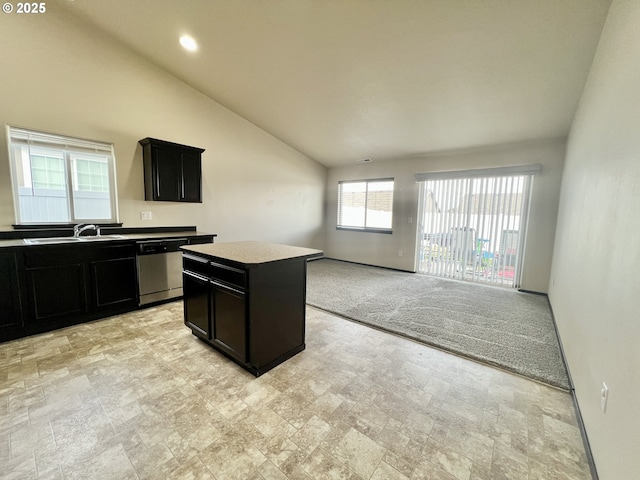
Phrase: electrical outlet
(399,253)
(604,396)
(145,215)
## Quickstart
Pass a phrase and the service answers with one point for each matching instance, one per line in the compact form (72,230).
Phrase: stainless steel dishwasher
(159,265)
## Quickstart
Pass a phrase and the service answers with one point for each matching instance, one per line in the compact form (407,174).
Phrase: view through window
(366,205)
(58,179)
(473,228)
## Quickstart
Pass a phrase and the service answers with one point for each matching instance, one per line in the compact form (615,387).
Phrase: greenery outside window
(58,179)
(366,205)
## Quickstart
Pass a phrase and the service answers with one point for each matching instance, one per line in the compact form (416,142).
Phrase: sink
(51,240)
(44,241)
(102,238)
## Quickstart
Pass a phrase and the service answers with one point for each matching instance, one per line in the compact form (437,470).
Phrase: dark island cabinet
(67,285)
(229,317)
(247,300)
(11,318)
(172,172)
(214,311)
(197,299)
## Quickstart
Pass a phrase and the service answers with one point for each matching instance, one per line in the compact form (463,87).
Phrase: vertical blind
(473,227)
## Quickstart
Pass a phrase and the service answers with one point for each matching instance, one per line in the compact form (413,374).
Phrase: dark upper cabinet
(191,177)
(172,172)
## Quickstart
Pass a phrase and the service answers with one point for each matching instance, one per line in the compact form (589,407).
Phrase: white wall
(595,279)
(383,249)
(61,77)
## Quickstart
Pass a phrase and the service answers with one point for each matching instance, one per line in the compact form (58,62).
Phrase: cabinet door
(191,186)
(114,283)
(11,319)
(166,174)
(172,172)
(196,304)
(56,292)
(229,320)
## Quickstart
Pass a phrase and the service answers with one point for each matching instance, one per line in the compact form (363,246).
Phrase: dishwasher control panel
(153,247)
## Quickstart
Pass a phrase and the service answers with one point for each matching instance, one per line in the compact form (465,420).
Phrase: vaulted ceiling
(342,80)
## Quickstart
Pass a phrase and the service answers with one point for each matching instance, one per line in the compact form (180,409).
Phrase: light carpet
(501,327)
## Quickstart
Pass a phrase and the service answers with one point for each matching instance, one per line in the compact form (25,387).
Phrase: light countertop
(252,253)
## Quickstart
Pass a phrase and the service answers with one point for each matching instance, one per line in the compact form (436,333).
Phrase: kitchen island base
(247,300)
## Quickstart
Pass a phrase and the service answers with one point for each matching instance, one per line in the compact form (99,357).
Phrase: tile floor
(137,396)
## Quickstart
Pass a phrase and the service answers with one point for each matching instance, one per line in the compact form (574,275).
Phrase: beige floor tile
(359,452)
(137,396)
(321,465)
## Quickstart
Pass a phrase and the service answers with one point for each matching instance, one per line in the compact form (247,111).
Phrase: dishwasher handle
(154,247)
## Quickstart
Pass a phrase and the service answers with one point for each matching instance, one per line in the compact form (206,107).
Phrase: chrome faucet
(81,227)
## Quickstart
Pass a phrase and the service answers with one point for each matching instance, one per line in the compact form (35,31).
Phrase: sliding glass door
(473,227)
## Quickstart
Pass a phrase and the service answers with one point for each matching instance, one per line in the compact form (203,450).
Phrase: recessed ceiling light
(188,43)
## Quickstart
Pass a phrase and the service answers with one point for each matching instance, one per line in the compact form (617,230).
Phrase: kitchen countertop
(155,236)
(252,253)
(19,242)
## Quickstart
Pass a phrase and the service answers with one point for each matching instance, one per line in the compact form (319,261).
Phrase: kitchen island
(247,300)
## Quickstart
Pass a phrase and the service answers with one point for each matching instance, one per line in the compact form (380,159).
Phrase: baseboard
(576,405)
(533,292)
(367,265)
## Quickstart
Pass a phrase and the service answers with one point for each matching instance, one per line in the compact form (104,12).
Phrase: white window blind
(532,169)
(474,227)
(366,205)
(60,179)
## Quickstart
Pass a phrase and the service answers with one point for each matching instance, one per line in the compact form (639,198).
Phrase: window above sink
(59,179)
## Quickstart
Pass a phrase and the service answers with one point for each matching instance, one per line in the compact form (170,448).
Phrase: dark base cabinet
(52,285)
(67,285)
(56,292)
(252,313)
(113,282)
(11,317)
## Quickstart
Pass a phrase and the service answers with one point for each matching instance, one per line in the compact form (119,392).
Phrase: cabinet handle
(155,153)
(195,276)
(228,288)
(195,259)
(182,177)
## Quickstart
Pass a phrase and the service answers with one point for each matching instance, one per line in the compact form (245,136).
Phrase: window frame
(365,228)
(69,149)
